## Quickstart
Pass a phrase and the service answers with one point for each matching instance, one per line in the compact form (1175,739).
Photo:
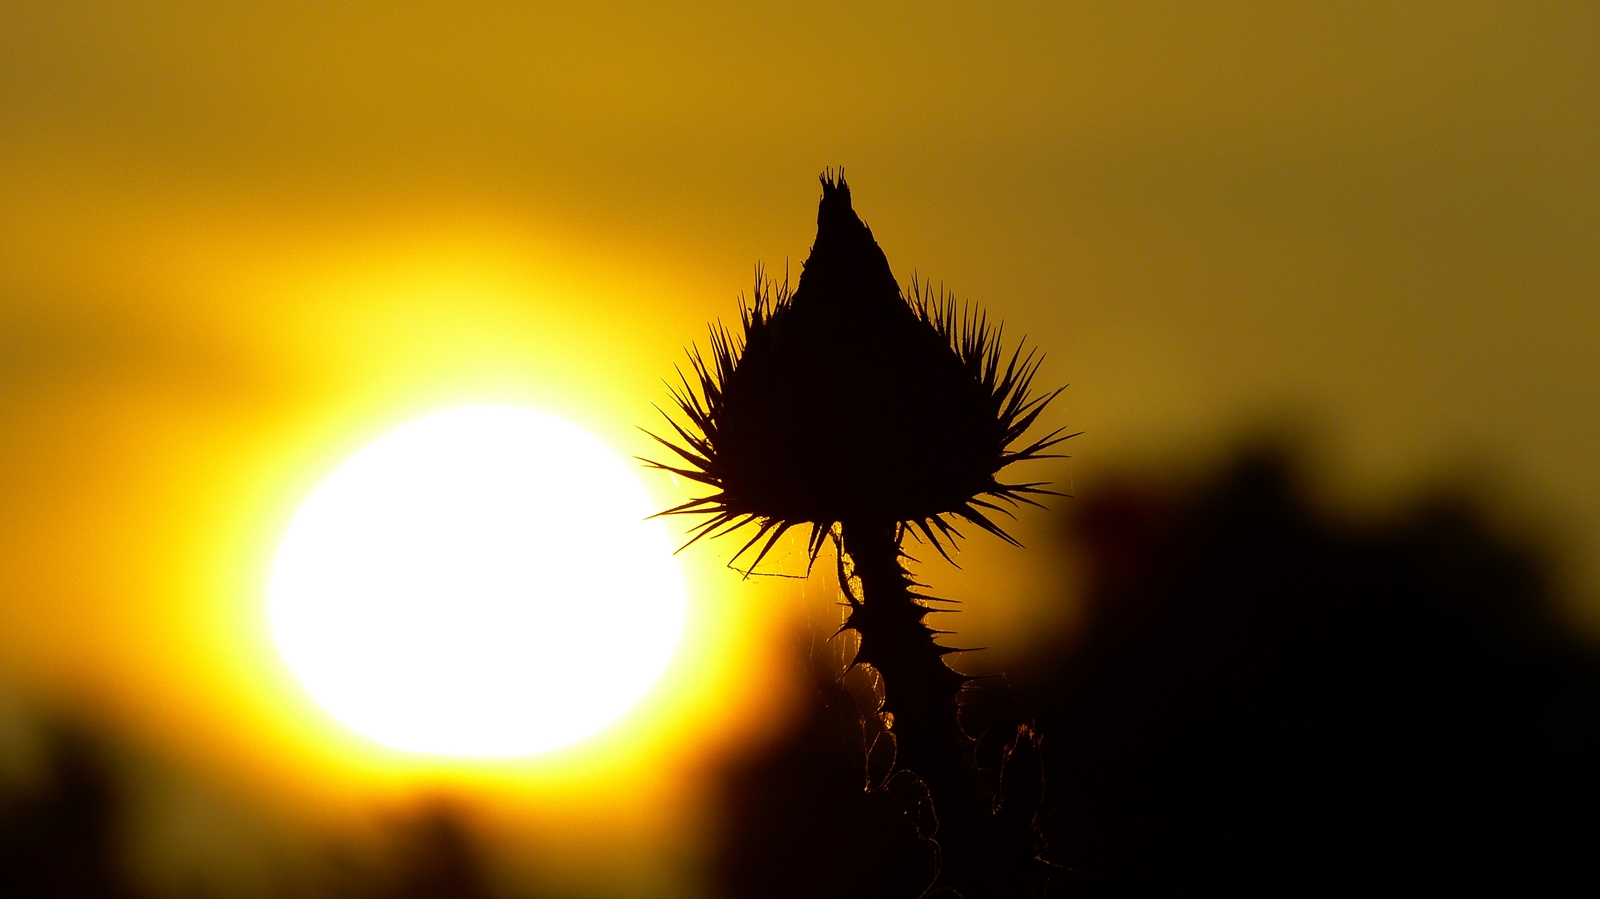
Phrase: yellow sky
(240,240)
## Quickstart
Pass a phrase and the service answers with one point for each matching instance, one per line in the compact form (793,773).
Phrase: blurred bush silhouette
(63,836)
(437,859)
(798,817)
(59,837)
(1262,698)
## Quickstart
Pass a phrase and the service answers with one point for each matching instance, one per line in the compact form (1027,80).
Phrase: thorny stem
(920,692)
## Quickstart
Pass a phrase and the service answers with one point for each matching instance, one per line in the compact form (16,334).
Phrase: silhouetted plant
(866,413)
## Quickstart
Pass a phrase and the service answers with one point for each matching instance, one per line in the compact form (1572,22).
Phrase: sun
(478,582)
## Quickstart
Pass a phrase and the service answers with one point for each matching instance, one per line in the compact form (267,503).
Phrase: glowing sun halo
(479,582)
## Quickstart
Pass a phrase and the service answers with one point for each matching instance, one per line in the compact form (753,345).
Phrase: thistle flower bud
(852,401)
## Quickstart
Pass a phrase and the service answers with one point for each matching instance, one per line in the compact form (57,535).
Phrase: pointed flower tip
(835,203)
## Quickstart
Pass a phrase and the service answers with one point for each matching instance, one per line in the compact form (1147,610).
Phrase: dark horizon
(1262,694)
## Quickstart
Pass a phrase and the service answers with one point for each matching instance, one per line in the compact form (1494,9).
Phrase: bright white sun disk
(479,582)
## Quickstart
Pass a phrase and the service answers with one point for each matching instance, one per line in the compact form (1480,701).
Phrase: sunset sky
(240,241)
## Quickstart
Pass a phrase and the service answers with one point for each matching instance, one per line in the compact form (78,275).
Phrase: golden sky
(240,240)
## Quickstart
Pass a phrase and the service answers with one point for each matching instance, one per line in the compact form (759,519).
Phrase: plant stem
(920,690)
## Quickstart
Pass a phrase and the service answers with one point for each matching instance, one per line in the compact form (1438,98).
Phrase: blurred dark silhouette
(62,837)
(799,819)
(1266,700)
(437,858)
(1261,699)
(59,836)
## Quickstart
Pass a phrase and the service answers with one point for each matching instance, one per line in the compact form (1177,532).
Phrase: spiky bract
(851,400)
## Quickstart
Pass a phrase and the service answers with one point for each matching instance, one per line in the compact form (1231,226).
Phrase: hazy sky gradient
(239,240)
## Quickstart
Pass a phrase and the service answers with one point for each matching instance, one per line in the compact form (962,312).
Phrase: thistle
(868,413)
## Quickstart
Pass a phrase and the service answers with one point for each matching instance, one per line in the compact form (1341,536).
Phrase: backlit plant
(867,413)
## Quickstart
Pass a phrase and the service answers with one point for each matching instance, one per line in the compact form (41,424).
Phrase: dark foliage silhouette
(1267,701)
(866,413)
(64,837)
(1264,700)
(59,837)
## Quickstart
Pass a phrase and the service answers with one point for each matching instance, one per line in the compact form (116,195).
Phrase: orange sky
(239,240)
